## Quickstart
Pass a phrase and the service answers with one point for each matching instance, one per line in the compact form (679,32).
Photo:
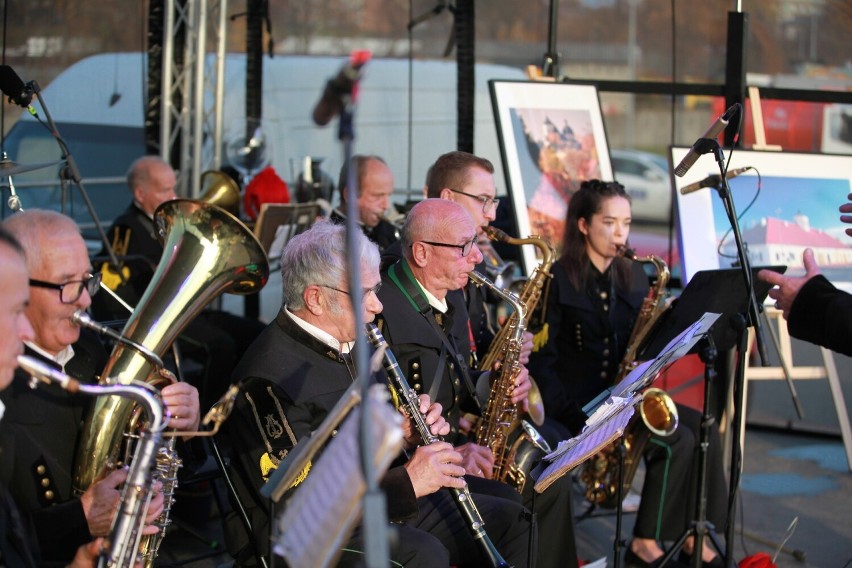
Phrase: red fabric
(759,560)
(265,187)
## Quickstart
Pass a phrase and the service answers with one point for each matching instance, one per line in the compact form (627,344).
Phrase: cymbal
(10,168)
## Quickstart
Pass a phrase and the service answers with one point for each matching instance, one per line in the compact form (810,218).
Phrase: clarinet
(411,404)
(122,547)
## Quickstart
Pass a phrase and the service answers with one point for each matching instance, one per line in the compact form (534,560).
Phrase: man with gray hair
(298,369)
(44,424)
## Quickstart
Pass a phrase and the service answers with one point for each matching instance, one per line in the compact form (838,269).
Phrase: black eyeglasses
(465,248)
(488,203)
(375,290)
(70,292)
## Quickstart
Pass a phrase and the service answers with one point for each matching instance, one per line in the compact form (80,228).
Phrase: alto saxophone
(514,452)
(657,410)
(534,289)
(121,549)
(409,401)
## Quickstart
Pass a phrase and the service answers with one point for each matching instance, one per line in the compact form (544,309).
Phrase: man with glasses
(426,323)
(43,424)
(294,374)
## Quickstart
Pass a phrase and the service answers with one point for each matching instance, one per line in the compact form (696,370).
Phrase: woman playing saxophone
(594,302)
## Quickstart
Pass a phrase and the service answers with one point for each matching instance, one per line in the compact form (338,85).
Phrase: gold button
(603,374)
(48,495)
(605,353)
(41,470)
(415,376)
(45,482)
(417,386)
(456,382)
(452,366)
(415,365)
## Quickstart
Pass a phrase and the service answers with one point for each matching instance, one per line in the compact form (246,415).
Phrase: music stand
(723,292)
(277,223)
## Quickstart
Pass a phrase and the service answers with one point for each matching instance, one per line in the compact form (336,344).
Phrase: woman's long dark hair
(583,205)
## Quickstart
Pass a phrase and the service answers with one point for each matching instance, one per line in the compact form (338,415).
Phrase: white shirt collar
(440,305)
(319,334)
(60,358)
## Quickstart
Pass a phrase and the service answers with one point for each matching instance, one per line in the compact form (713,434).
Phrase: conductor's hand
(433,467)
(100,501)
(847,208)
(182,403)
(477,460)
(788,286)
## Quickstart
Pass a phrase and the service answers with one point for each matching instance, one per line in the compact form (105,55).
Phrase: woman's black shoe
(631,560)
(686,560)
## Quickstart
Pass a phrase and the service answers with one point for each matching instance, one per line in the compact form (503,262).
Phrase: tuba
(206,252)
(514,442)
(657,410)
(219,189)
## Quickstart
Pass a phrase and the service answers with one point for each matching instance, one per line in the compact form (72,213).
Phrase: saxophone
(121,548)
(206,252)
(601,472)
(534,288)
(514,452)
(409,401)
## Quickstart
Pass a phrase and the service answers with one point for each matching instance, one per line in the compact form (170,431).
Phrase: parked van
(98,103)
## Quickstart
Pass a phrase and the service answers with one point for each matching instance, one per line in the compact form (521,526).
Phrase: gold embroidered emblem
(273,427)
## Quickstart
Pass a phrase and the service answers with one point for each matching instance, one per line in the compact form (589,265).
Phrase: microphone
(692,156)
(713,181)
(14,88)
(340,88)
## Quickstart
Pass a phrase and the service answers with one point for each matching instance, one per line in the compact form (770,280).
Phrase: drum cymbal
(10,168)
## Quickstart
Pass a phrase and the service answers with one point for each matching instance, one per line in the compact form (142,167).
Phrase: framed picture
(786,202)
(551,138)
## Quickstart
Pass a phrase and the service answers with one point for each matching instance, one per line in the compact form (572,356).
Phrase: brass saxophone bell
(659,412)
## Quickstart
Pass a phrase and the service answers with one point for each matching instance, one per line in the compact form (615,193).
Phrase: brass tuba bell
(220,189)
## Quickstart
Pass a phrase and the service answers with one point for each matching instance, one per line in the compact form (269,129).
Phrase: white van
(97,105)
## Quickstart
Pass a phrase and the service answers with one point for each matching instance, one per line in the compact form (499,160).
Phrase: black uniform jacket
(822,314)
(38,444)
(431,366)
(291,381)
(584,343)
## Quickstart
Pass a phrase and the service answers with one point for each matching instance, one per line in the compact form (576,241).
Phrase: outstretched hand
(788,286)
(847,208)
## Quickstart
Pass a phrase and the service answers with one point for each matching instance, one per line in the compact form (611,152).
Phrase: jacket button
(456,382)
(48,495)
(606,341)
(415,365)
(417,386)
(45,482)
(603,374)
(605,353)
(415,376)
(452,366)
(41,470)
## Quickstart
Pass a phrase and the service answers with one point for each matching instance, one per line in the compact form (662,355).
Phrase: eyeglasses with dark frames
(488,203)
(375,290)
(465,248)
(70,292)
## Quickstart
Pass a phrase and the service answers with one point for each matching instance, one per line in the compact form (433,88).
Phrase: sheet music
(642,376)
(575,451)
(326,506)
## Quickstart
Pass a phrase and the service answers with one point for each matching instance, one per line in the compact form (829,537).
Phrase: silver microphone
(692,156)
(82,319)
(713,181)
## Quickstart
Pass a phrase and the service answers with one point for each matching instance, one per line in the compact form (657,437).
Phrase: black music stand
(723,292)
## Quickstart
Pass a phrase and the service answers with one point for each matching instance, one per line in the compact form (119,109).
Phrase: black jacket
(822,314)
(584,343)
(290,383)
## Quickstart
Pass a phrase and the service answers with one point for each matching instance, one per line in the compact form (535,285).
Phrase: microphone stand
(376,548)
(72,173)
(751,319)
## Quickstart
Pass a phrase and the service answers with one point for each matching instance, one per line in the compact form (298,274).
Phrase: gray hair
(30,228)
(319,256)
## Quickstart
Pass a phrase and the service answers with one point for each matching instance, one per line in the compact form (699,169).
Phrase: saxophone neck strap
(401,275)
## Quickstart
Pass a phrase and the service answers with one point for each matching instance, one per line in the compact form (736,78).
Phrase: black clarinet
(411,403)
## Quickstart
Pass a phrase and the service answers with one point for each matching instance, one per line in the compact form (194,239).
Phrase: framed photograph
(551,139)
(786,202)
